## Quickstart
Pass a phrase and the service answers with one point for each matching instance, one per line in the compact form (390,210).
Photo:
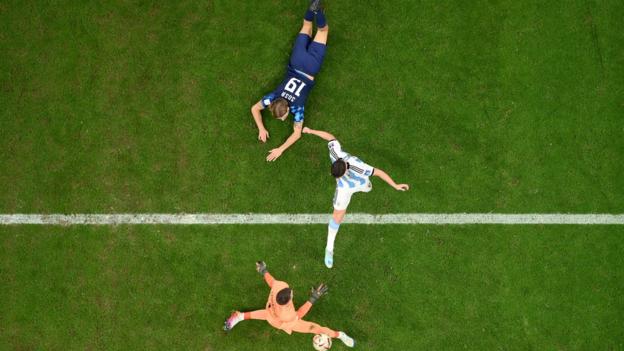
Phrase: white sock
(240,316)
(332,230)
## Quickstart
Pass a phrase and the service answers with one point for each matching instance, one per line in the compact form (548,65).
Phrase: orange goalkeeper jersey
(280,316)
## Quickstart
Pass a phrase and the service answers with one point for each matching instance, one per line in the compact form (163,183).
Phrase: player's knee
(338,216)
(306,28)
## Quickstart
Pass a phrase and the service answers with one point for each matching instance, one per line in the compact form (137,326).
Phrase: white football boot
(329,258)
(346,339)
(233,320)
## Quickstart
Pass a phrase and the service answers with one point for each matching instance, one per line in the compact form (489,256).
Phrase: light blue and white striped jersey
(358,172)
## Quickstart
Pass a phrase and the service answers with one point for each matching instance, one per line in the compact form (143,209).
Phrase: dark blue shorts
(307,56)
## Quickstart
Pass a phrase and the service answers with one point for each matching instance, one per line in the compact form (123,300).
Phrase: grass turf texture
(394,287)
(144,107)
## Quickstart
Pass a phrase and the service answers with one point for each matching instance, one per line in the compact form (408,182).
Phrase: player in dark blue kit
(290,96)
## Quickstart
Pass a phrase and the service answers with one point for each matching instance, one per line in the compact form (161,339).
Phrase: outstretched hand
(261,267)
(402,187)
(263,135)
(318,292)
(274,154)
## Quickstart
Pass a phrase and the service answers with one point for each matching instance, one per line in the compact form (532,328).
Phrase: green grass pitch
(143,106)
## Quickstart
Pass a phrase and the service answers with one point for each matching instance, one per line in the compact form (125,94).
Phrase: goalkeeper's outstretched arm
(262,269)
(319,133)
(315,294)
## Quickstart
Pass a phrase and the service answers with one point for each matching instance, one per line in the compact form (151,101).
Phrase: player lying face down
(352,176)
(280,311)
(291,95)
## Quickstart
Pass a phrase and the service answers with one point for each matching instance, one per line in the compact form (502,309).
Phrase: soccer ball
(321,342)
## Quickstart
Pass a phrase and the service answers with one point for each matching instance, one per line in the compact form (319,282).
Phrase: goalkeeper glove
(261,267)
(317,293)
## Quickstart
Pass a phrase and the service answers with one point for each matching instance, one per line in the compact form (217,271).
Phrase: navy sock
(309,16)
(321,21)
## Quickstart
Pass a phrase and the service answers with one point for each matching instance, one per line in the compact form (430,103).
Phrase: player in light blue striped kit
(352,176)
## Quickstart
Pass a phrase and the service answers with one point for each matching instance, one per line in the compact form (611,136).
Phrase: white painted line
(355,218)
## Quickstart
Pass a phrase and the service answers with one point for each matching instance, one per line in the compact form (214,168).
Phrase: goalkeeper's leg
(259,314)
(313,328)
(238,317)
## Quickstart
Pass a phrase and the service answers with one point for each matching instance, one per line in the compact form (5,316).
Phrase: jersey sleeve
(267,100)
(304,309)
(297,111)
(268,278)
(361,168)
(335,150)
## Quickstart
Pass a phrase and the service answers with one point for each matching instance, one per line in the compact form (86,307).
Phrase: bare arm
(383,175)
(256,109)
(268,278)
(275,153)
(319,133)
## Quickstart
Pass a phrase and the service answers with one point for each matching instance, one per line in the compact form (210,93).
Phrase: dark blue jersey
(295,89)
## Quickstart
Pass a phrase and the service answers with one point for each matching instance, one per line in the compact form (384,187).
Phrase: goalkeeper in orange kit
(280,311)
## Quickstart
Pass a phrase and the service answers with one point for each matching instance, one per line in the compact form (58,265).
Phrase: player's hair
(338,168)
(278,107)
(283,296)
